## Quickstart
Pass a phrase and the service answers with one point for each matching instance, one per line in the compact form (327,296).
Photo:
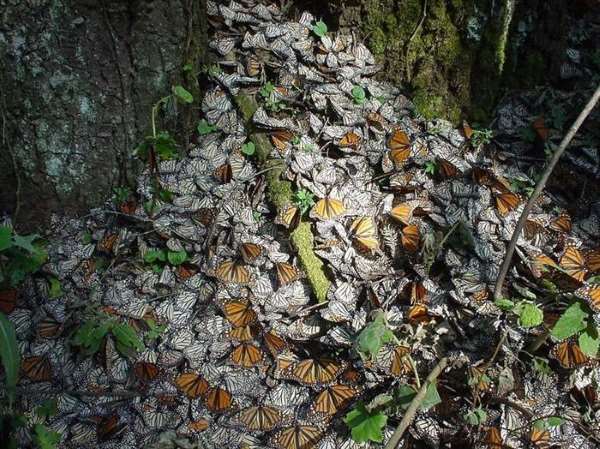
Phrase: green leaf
(26,242)
(55,289)
(365,425)
(9,353)
(164,145)
(530,315)
(374,336)
(183,94)
(44,438)
(504,304)
(547,423)
(541,366)
(359,94)
(589,342)
(205,128)
(430,167)
(152,255)
(267,89)
(320,28)
(127,339)
(177,257)
(89,336)
(476,417)
(404,395)
(573,320)
(5,240)
(432,398)
(48,408)
(248,148)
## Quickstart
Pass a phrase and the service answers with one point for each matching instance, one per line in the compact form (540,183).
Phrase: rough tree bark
(77,81)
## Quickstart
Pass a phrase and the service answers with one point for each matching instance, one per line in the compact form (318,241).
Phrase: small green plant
(431,168)
(9,355)
(528,313)
(121,194)
(359,95)
(319,28)
(248,148)
(577,320)
(44,438)
(257,216)
(182,94)
(476,416)
(549,422)
(158,258)
(481,137)
(541,366)
(154,330)
(366,425)
(304,199)
(20,255)
(374,336)
(295,140)
(90,335)
(205,128)
(268,92)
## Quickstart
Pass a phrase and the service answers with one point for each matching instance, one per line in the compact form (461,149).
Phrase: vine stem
(415,404)
(539,187)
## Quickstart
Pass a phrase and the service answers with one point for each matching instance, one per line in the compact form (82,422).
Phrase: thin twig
(496,351)
(415,404)
(538,189)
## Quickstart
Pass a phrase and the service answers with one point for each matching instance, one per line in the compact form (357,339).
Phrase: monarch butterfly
(280,138)
(447,169)
(540,128)
(243,333)
(239,312)
(539,262)
(409,238)
(288,216)
(418,313)
(328,208)
(218,399)
(351,376)
(467,130)
(592,260)
(506,202)
(532,229)
(274,342)
(297,437)
(205,216)
(185,271)
(493,438)
(128,207)
(49,328)
(573,263)
(246,355)
(145,371)
(108,428)
(232,271)
(376,121)
(250,251)
(315,371)
(418,293)
(199,425)
(478,379)
(399,144)
(481,295)
(400,362)
(485,177)
(37,368)
(253,66)
(562,223)
(591,293)
(287,273)
(261,418)
(193,385)
(364,233)
(223,173)
(403,212)
(107,243)
(569,354)
(539,438)
(350,140)
(333,399)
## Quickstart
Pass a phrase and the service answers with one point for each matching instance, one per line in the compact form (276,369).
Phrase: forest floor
(294,277)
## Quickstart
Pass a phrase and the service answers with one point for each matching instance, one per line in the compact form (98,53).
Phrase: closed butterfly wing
(467,130)
(569,354)
(592,260)
(316,371)
(403,213)
(334,399)
(485,177)
(493,438)
(289,216)
(145,371)
(574,264)
(246,355)
(297,437)
(399,145)
(364,233)
(350,140)
(410,238)
(250,251)
(260,418)
(447,169)
(239,313)
(275,343)
(418,313)
(591,294)
(223,173)
(540,128)
(109,428)
(218,399)
(328,208)
(287,273)
(191,384)
(198,425)
(539,438)
(281,138)
(507,202)
(37,368)
(400,362)
(232,271)
(562,223)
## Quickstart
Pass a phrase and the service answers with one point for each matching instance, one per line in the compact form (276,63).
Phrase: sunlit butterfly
(250,251)
(400,362)
(466,129)
(333,399)
(569,354)
(218,399)
(562,223)
(591,293)
(399,145)
(418,313)
(223,173)
(287,273)
(315,371)
(109,428)
(288,216)
(199,425)
(8,300)
(573,263)
(493,438)
(478,379)
(540,128)
(297,437)
(409,238)
(280,138)
(37,368)
(376,121)
(253,66)
(364,233)
(485,177)
(145,371)
(403,213)
(507,202)
(350,140)
(243,333)
(261,418)
(192,384)
(447,169)
(239,312)
(418,293)
(539,438)
(274,342)
(246,355)
(232,271)
(328,208)
(481,295)
(592,260)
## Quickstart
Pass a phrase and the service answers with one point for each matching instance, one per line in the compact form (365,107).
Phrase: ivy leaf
(374,336)
(44,438)
(26,242)
(9,353)
(183,94)
(205,128)
(359,94)
(5,240)
(589,342)
(127,340)
(365,425)
(504,304)
(476,417)
(320,28)
(573,320)
(177,257)
(248,148)
(55,289)
(530,315)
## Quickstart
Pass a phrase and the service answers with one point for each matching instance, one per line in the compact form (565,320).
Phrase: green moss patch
(302,239)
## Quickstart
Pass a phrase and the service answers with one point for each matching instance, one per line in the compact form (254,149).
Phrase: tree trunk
(78,80)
